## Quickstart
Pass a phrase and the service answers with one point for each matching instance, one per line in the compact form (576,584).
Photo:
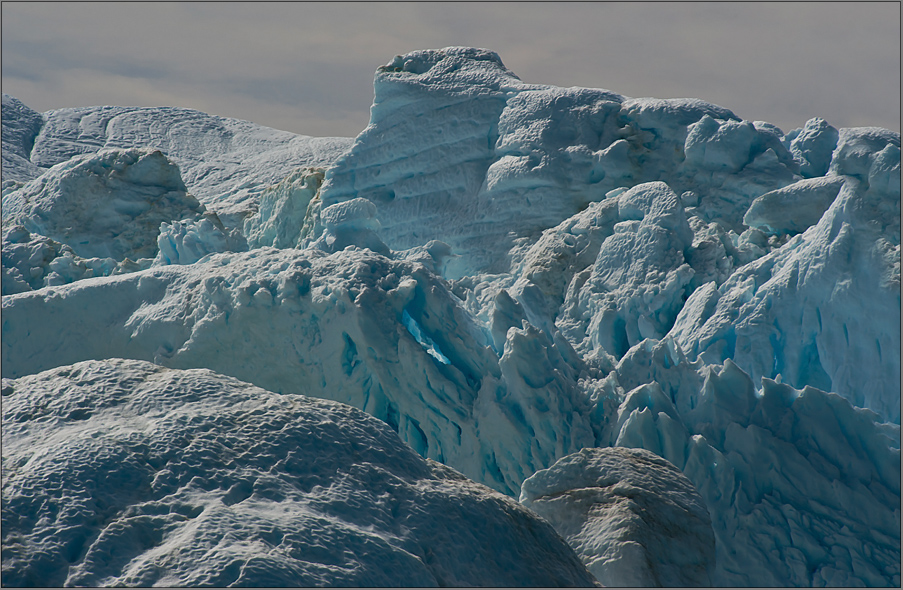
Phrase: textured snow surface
(20,127)
(634,518)
(121,472)
(105,204)
(224,162)
(507,273)
(338,324)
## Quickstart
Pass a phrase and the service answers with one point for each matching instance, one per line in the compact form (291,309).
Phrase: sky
(308,67)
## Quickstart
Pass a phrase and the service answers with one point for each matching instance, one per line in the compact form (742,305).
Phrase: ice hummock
(634,518)
(596,270)
(224,162)
(120,472)
(108,204)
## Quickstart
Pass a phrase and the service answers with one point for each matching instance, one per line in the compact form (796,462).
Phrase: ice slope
(634,518)
(224,162)
(385,336)
(121,472)
(21,126)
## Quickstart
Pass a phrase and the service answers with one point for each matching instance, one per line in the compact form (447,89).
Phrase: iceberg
(385,336)
(109,204)
(506,274)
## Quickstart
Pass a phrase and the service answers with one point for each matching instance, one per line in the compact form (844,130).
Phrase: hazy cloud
(308,67)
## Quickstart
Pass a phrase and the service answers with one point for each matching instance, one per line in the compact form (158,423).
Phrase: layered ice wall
(506,273)
(460,150)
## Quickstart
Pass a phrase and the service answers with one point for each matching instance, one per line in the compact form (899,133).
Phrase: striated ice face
(506,274)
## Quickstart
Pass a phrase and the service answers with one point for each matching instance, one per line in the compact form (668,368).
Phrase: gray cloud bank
(308,67)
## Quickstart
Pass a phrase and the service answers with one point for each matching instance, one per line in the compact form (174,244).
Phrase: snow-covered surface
(507,273)
(224,162)
(632,517)
(121,472)
(108,204)
(345,325)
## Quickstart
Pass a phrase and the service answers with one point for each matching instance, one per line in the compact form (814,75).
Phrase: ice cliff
(506,274)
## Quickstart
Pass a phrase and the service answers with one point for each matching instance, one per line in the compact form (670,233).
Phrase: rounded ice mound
(122,472)
(351,223)
(354,214)
(632,517)
(794,208)
(108,204)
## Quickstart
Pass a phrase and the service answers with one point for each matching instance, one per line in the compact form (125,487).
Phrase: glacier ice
(21,126)
(385,336)
(32,261)
(797,311)
(507,273)
(633,518)
(793,209)
(121,472)
(109,204)
(282,209)
(224,162)
(800,483)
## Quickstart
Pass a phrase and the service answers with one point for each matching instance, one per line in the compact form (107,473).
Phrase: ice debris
(31,261)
